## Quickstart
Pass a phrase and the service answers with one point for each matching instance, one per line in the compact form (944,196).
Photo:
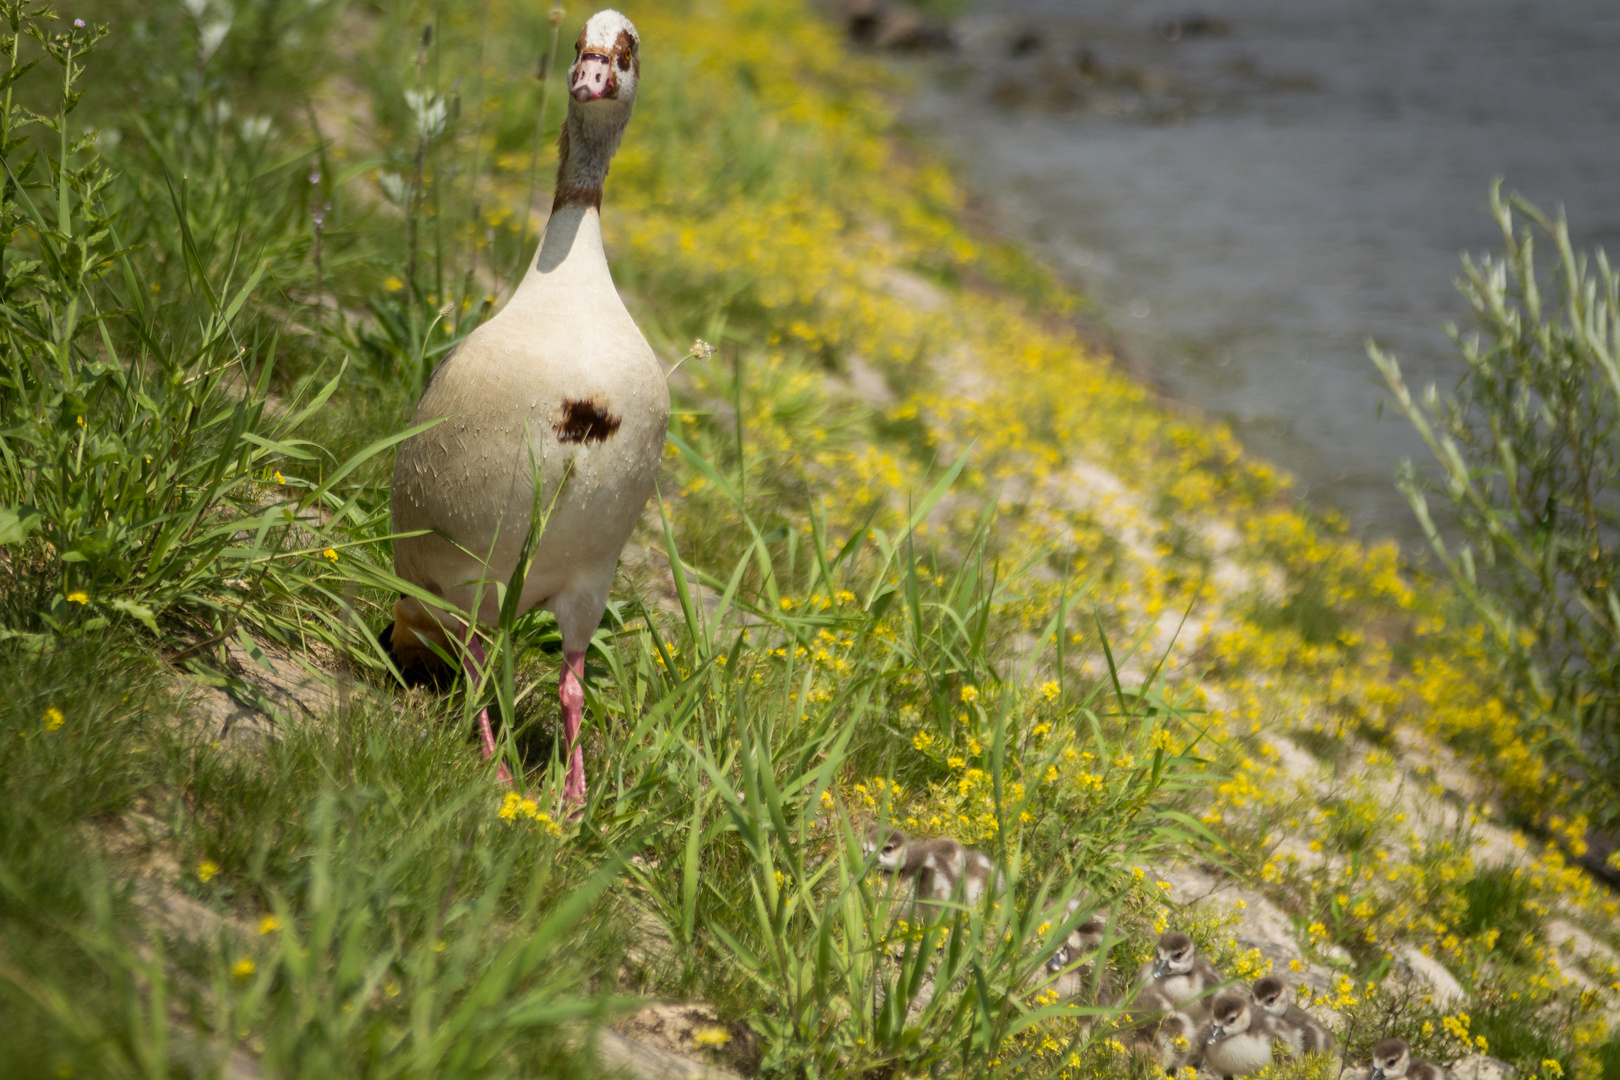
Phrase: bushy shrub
(1528,446)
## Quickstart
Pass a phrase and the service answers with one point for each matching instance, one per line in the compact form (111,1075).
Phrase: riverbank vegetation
(918,552)
(1527,446)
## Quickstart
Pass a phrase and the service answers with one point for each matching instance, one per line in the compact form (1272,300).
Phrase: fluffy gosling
(1240,1036)
(1392,1060)
(1296,1028)
(1177,977)
(937,867)
(1074,978)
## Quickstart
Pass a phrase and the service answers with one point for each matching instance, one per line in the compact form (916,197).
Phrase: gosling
(1174,986)
(1296,1028)
(1175,1041)
(1392,1060)
(1075,979)
(935,867)
(1177,977)
(1240,1036)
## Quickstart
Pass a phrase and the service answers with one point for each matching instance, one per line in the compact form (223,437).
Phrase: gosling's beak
(1376,1074)
(593,78)
(1160,969)
(1215,1035)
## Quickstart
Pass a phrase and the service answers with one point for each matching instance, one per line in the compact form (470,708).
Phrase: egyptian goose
(1240,1036)
(1177,976)
(560,377)
(1295,1027)
(1071,964)
(1170,1003)
(936,867)
(1392,1060)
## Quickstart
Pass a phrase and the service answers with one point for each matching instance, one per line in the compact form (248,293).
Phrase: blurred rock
(682,1040)
(1195,24)
(894,26)
(1411,964)
(1481,1067)
(1026,42)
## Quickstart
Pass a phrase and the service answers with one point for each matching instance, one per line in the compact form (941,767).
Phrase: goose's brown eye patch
(624,47)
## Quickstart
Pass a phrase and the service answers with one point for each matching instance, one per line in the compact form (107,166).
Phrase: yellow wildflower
(243,968)
(393,284)
(269,925)
(330,554)
(206,870)
(78,596)
(970,694)
(53,718)
(714,1035)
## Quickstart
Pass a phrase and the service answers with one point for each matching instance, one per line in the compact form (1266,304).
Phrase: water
(1249,204)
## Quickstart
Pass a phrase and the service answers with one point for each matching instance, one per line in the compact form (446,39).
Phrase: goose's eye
(624,61)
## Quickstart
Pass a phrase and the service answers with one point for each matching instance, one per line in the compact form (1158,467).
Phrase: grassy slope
(955,679)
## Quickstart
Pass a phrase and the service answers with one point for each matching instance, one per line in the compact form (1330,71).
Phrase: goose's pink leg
(472,661)
(571,694)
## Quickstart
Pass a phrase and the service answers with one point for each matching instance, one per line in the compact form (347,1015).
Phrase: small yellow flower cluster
(515,806)
(712,1036)
(880,794)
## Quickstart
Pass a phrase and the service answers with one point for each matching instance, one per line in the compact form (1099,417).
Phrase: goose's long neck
(571,254)
(585,149)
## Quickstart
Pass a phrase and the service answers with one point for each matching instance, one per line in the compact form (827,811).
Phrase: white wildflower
(429,111)
(211,37)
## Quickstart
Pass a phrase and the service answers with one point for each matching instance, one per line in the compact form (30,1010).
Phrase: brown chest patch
(585,421)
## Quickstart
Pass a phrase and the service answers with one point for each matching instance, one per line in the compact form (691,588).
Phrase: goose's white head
(607,62)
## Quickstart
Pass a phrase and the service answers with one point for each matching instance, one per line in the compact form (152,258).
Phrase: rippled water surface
(1255,198)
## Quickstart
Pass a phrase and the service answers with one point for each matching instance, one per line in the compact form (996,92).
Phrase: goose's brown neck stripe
(574,189)
(585,148)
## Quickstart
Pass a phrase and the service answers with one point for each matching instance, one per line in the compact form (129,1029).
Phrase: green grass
(188,465)
(1495,899)
(1609,1057)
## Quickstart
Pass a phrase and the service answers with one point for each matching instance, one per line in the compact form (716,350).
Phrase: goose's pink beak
(593,78)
